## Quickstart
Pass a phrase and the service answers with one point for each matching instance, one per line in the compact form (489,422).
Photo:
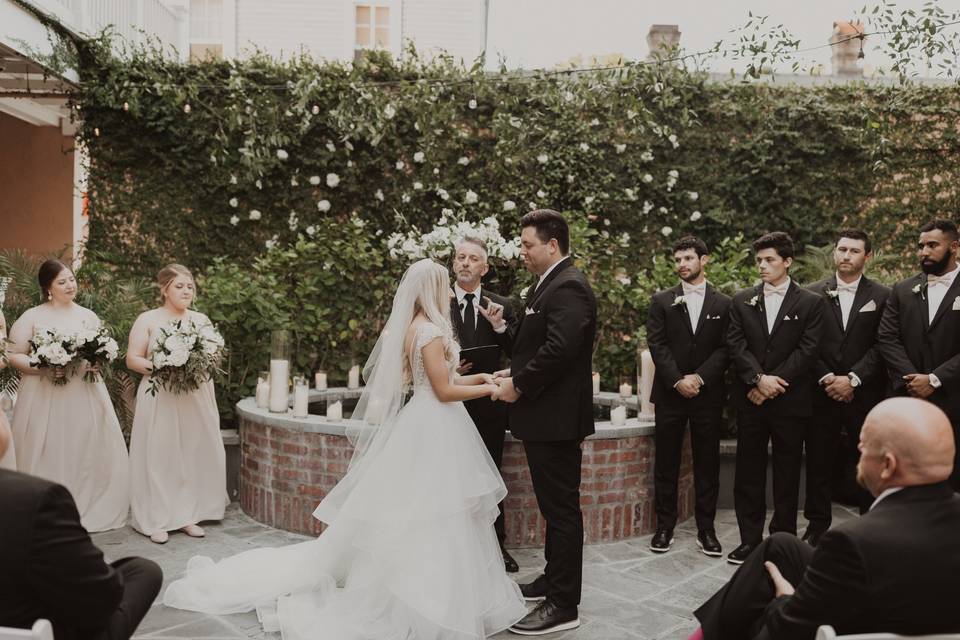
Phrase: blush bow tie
(698,289)
(848,288)
(934,280)
(770,290)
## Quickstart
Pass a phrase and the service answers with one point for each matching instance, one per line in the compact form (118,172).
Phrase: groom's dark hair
(691,242)
(549,224)
(779,241)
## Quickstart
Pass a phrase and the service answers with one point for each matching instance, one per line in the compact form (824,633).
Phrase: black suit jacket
(893,570)
(553,359)
(485,410)
(790,350)
(911,344)
(854,349)
(50,567)
(678,350)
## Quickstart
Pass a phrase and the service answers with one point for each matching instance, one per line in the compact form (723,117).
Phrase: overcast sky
(542,33)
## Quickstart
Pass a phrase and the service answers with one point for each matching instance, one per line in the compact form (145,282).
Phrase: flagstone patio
(629,593)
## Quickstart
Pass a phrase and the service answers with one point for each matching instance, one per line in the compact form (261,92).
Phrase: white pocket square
(956,304)
(787,317)
(529,311)
(870,306)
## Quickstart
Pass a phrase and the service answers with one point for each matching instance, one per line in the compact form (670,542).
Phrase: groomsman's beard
(936,267)
(691,276)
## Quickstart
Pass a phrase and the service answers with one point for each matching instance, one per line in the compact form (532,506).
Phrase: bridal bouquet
(97,348)
(51,349)
(184,356)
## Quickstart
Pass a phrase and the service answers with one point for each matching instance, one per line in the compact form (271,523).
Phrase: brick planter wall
(287,467)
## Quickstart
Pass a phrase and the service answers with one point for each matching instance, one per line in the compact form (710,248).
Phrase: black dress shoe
(708,543)
(738,555)
(535,591)
(812,537)
(662,540)
(546,618)
(509,563)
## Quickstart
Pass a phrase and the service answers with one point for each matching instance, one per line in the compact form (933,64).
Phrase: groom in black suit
(774,338)
(50,569)
(551,391)
(849,370)
(482,318)
(919,333)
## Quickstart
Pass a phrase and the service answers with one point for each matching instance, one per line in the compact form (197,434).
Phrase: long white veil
(385,382)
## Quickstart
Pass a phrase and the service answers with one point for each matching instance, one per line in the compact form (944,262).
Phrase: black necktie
(469,332)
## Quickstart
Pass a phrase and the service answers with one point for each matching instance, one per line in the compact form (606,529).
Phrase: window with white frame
(372,27)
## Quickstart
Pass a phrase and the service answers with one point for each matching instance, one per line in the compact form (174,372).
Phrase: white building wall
(455,26)
(283,27)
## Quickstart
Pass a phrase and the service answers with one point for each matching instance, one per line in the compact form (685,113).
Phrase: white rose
(333,180)
(673,173)
(542,158)
(314,180)
(179,357)
(311,230)
(294,182)
(509,205)
(584,146)
(464,160)
(693,195)
(389,111)
(254,214)
(418,185)
(541,193)
(331,147)
(472,104)
(419,156)
(647,178)
(233,179)
(234,202)
(646,156)
(442,193)
(470,197)
(666,231)
(588,200)
(379,195)
(281,154)
(621,148)
(234,220)
(399,165)
(696,215)
(673,140)
(323,205)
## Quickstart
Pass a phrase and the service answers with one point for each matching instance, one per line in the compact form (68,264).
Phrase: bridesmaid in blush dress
(68,433)
(177,461)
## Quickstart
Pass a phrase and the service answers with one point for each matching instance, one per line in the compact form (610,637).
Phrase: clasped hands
(838,388)
(501,383)
(767,388)
(918,385)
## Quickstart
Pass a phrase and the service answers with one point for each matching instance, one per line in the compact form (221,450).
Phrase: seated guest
(893,570)
(52,570)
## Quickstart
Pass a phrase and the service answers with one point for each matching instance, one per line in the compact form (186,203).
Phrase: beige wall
(36,187)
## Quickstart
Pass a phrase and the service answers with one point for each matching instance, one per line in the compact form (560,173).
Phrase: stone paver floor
(629,593)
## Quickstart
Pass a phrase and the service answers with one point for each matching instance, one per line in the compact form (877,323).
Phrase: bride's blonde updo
(168,274)
(432,285)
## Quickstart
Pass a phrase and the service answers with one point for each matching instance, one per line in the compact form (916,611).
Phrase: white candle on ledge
(353,378)
(596,383)
(279,389)
(321,381)
(626,390)
(335,411)
(263,393)
(618,416)
(301,398)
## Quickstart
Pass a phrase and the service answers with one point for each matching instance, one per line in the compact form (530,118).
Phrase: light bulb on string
(126,106)
(96,132)
(315,110)
(186,108)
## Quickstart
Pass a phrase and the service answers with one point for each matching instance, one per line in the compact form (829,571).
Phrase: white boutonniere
(920,290)
(833,294)
(753,301)
(679,301)
(523,292)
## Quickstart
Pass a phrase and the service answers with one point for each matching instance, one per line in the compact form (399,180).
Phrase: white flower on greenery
(259,184)
(666,231)
(293,181)
(696,215)
(234,220)
(470,197)
(389,111)
(541,193)
(693,195)
(444,213)
(630,193)
(588,200)
(442,194)
(358,222)
(311,230)
(647,206)
(657,87)
(233,179)
(621,148)
(472,104)
(464,160)
(379,195)
(584,146)
(646,156)
(405,198)
(418,185)
(254,215)
(543,158)
(348,145)
(349,163)
(331,147)
(673,140)
(606,223)
(333,180)
(631,114)
(532,206)
(419,156)
(647,178)
(416,125)
(271,243)
(234,202)
(436,171)
(509,205)
(314,180)
(568,96)
(569,178)
(508,160)
(663,210)
(293,221)
(315,110)
(282,155)
(399,165)
(324,205)
(516,122)
(673,173)
(595,122)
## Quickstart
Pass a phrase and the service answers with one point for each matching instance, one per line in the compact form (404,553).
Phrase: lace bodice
(426,333)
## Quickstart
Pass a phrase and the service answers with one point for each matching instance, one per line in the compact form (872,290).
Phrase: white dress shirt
(845,294)
(549,269)
(936,290)
(773,299)
(884,494)
(693,300)
(477,296)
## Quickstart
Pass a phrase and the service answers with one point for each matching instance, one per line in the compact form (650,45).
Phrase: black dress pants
(141,584)
(754,430)
(555,474)
(735,612)
(705,445)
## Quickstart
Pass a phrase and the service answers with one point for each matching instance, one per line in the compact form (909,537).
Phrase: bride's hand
(494,392)
(487,378)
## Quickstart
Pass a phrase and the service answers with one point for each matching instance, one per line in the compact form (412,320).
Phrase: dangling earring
(49,296)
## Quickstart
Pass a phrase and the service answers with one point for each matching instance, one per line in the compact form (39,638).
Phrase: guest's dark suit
(51,569)
(911,342)
(843,351)
(489,416)
(552,368)
(677,351)
(788,350)
(893,570)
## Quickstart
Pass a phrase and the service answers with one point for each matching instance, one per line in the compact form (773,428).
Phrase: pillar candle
(335,411)
(618,416)
(321,381)
(353,378)
(596,383)
(263,394)
(647,370)
(279,391)
(301,400)
(626,390)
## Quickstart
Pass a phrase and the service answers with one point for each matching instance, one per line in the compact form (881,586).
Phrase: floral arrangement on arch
(439,242)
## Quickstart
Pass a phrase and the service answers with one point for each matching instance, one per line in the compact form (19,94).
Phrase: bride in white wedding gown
(409,552)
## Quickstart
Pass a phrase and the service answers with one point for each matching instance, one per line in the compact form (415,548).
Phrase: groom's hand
(508,393)
(503,373)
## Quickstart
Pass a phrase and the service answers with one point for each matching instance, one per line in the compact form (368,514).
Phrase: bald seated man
(50,569)
(895,569)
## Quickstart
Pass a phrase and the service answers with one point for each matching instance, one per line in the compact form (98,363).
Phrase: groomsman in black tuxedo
(482,318)
(849,370)
(50,569)
(551,391)
(686,333)
(920,330)
(774,337)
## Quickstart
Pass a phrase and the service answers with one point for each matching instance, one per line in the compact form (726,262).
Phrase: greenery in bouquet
(51,349)
(184,356)
(97,348)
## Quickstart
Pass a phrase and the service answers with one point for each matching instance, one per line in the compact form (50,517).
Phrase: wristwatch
(755,379)
(854,380)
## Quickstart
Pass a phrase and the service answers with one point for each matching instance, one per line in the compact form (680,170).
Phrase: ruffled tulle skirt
(409,553)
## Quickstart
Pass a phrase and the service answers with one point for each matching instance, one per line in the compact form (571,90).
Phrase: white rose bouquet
(97,348)
(50,349)
(184,356)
